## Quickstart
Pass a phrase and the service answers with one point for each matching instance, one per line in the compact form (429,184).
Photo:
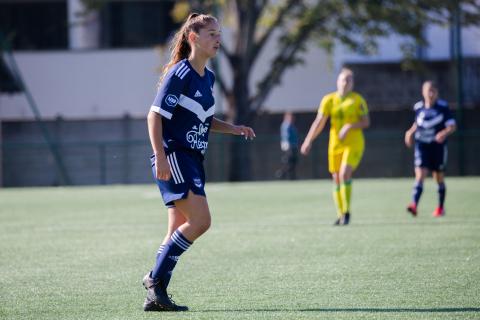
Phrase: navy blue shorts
(187,174)
(432,156)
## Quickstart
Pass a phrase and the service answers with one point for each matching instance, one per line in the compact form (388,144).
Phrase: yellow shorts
(346,156)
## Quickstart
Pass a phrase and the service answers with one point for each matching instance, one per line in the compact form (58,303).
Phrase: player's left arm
(238,130)
(450,125)
(443,134)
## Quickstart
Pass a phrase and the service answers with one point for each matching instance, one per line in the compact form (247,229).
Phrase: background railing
(127,162)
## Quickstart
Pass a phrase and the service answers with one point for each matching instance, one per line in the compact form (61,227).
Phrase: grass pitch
(272,253)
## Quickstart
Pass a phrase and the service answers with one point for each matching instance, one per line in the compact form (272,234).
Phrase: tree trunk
(240,166)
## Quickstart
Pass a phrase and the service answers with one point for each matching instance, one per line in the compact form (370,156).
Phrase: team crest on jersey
(196,137)
(171,100)
(197,182)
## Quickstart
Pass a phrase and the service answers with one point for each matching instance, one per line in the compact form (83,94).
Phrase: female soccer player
(179,123)
(433,124)
(349,116)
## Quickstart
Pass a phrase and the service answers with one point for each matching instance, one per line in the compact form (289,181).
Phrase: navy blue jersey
(185,101)
(431,120)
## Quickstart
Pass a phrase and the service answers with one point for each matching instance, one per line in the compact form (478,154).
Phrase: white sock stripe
(179,241)
(177,167)
(176,241)
(180,237)
(172,169)
(160,249)
(177,238)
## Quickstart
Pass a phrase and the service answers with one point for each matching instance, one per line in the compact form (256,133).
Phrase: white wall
(110,83)
(439,46)
(85,84)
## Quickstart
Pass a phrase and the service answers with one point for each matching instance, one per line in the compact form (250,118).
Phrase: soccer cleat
(157,297)
(337,222)
(151,305)
(346,218)
(412,208)
(147,280)
(439,212)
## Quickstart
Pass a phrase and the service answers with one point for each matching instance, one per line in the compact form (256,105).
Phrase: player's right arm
(163,106)
(318,124)
(162,168)
(315,129)
(409,135)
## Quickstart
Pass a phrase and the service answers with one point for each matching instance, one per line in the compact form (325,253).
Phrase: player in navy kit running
(433,124)
(179,123)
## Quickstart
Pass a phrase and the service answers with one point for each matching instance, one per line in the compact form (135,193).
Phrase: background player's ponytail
(180,47)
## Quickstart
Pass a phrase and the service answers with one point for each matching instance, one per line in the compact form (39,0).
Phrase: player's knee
(345,176)
(202,223)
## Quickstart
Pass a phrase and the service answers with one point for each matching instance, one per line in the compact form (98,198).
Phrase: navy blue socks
(442,190)
(417,191)
(168,257)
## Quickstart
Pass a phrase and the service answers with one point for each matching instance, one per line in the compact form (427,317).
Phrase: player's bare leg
(197,221)
(175,220)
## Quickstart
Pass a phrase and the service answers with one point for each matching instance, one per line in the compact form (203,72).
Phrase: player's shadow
(357,310)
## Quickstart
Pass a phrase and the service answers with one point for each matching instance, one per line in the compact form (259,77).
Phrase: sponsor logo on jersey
(171,100)
(196,137)
(197,94)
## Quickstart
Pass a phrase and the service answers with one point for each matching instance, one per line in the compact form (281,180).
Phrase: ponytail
(180,47)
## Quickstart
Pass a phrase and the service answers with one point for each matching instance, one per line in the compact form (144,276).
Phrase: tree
(295,23)
(354,23)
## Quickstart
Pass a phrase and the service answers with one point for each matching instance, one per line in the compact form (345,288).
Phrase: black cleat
(346,219)
(151,305)
(337,222)
(157,297)
(147,280)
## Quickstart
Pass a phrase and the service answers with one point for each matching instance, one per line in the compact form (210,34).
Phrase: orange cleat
(439,212)
(412,208)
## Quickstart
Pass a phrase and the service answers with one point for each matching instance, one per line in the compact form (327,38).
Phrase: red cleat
(439,212)
(412,208)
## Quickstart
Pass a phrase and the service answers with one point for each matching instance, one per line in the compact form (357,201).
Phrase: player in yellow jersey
(348,113)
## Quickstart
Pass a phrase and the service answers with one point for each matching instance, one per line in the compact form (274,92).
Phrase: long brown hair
(180,47)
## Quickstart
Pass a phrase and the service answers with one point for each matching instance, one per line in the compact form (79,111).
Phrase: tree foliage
(293,24)
(356,24)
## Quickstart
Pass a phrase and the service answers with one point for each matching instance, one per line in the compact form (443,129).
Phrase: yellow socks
(345,195)
(337,198)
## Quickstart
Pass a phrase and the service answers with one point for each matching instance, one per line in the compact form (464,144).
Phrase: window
(136,23)
(34,25)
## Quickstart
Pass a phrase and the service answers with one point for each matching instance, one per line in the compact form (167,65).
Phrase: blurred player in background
(289,147)
(433,124)
(348,113)
(179,123)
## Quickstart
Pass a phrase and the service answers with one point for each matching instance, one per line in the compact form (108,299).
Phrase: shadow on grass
(359,310)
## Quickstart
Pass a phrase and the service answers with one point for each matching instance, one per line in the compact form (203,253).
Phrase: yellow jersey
(343,110)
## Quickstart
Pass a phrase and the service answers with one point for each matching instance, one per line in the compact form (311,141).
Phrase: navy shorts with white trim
(432,156)
(187,174)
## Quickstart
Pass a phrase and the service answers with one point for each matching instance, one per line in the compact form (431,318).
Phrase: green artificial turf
(271,253)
